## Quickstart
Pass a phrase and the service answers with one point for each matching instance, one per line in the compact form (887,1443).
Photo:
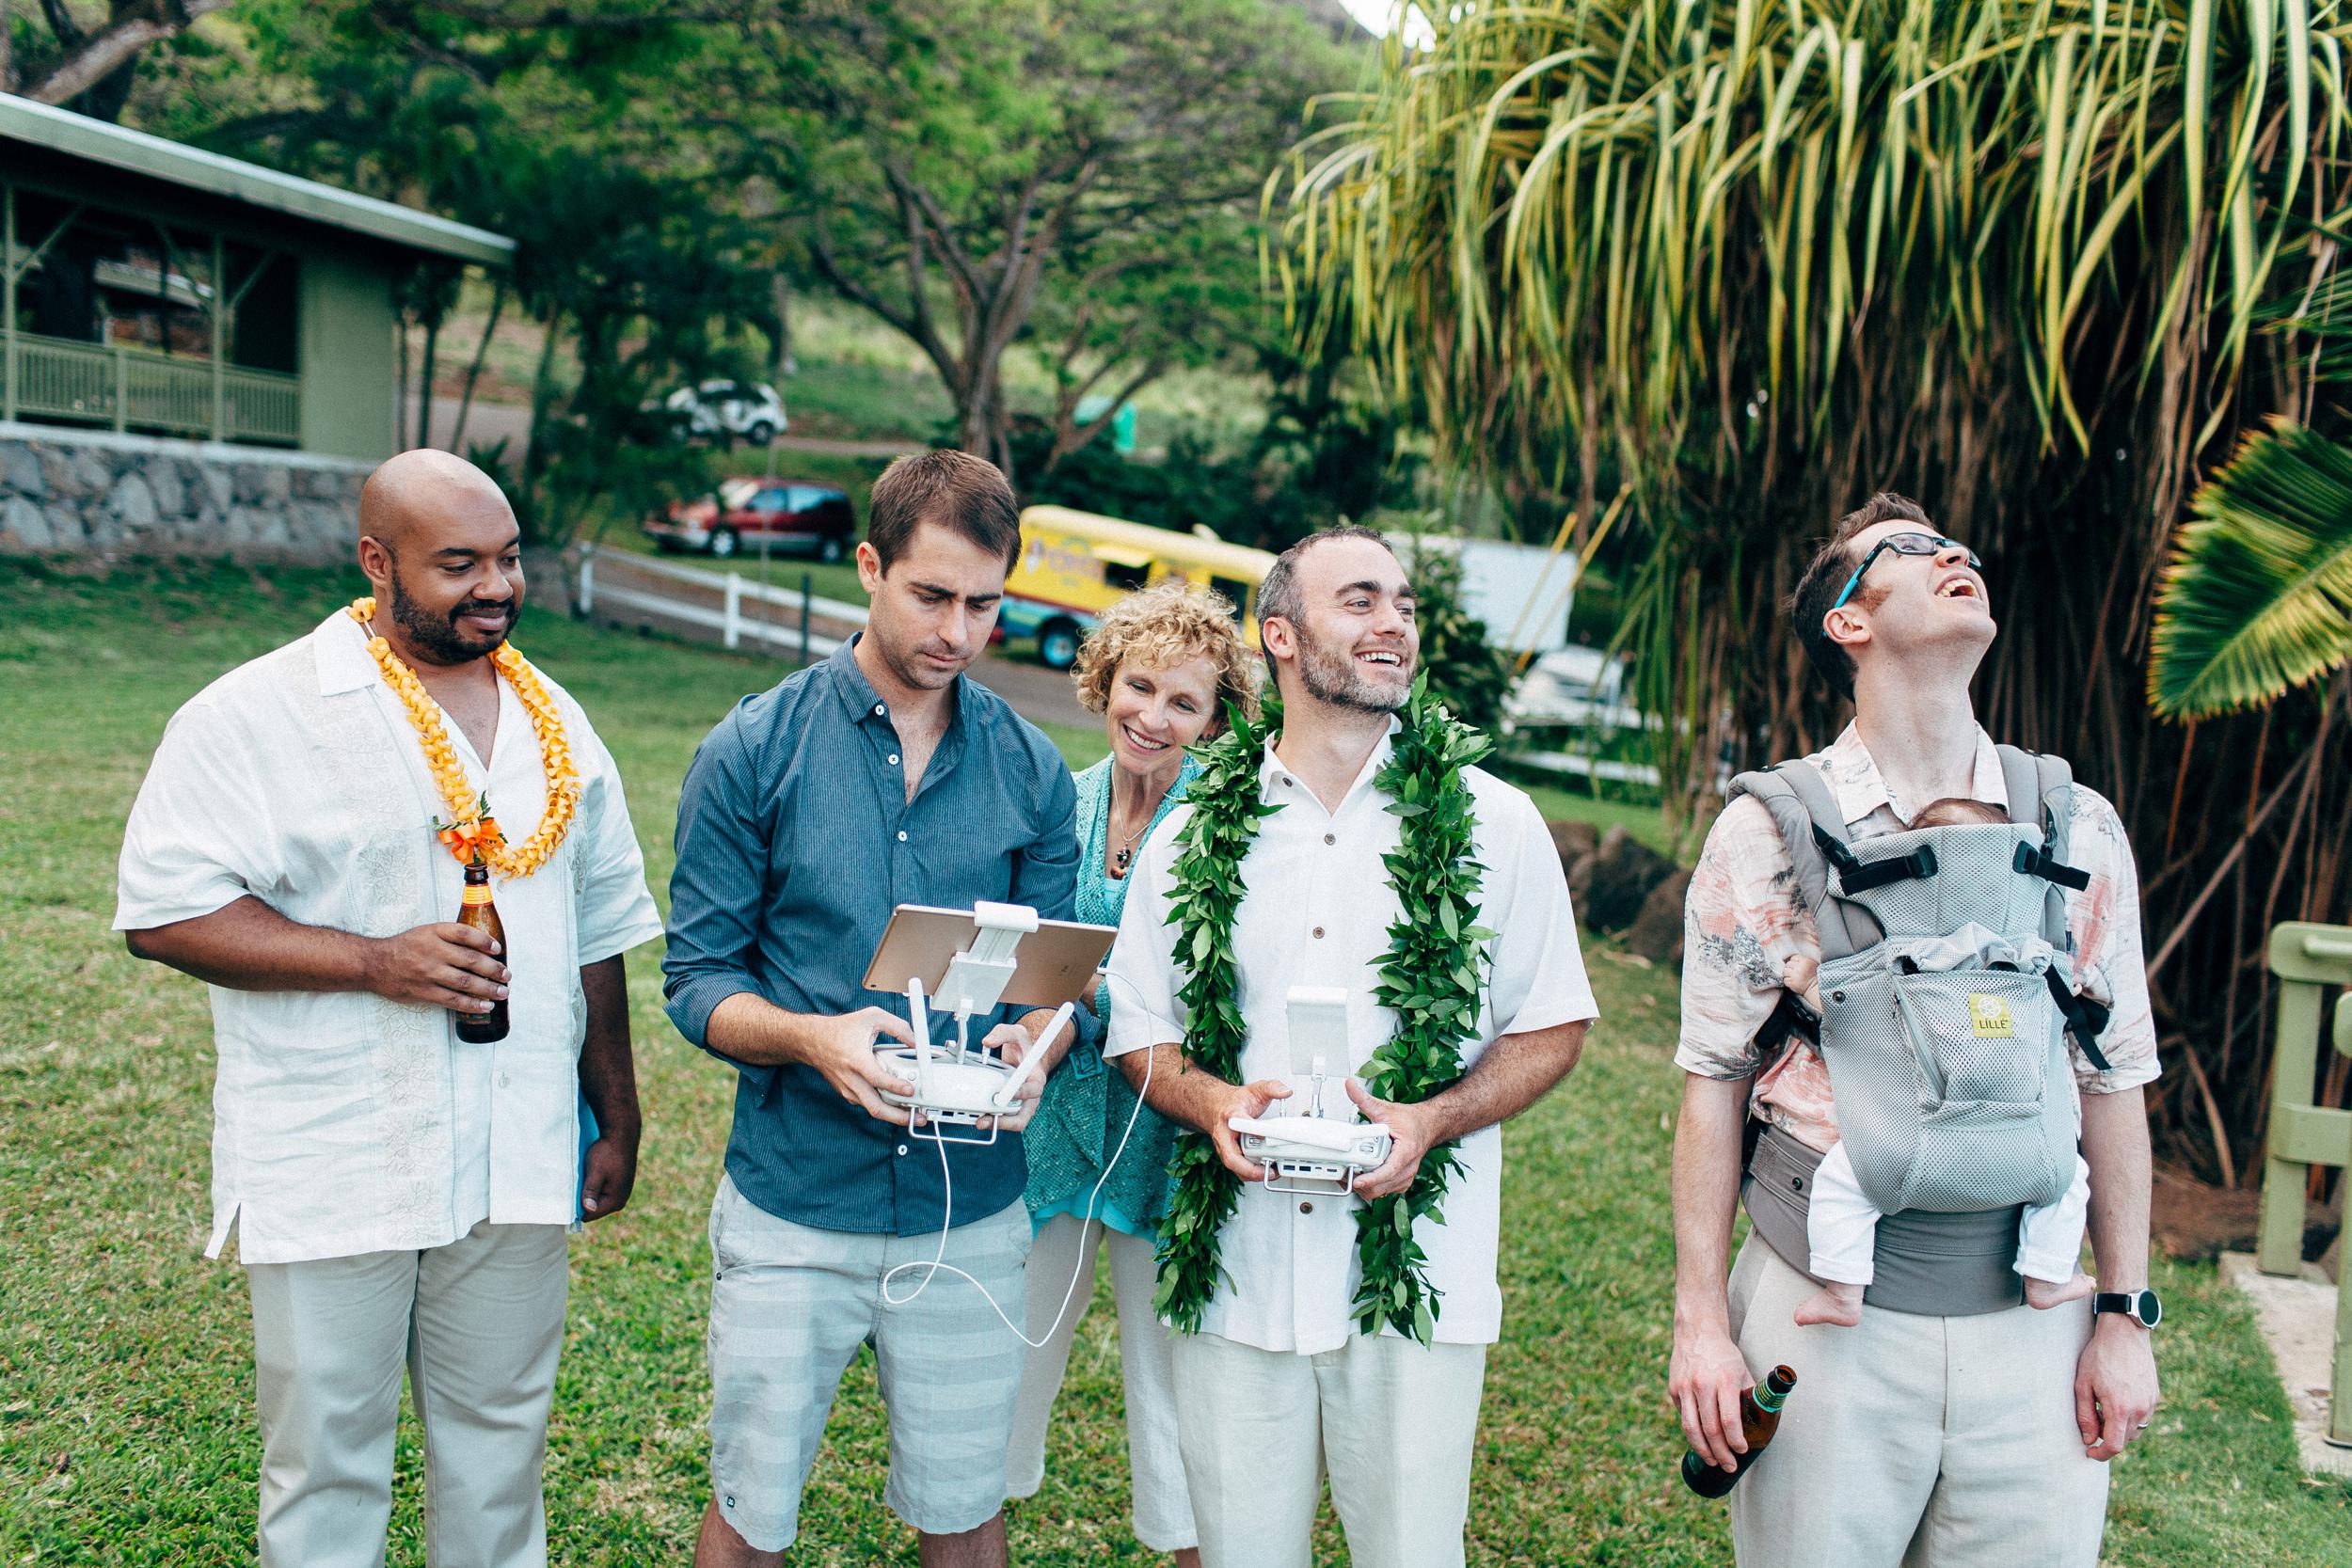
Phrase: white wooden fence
(715,601)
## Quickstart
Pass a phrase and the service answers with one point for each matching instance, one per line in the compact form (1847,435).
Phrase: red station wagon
(783,514)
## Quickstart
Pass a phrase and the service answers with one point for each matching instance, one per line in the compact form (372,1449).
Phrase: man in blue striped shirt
(880,777)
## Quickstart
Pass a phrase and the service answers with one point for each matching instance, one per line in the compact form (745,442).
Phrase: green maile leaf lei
(1431,975)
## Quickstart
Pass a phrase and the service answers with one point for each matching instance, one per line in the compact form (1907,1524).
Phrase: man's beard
(438,637)
(1332,676)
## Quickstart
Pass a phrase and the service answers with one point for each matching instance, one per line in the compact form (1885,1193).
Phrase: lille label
(1990,1016)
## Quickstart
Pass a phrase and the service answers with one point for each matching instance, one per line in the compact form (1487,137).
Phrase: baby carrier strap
(2041,790)
(1813,830)
(2040,796)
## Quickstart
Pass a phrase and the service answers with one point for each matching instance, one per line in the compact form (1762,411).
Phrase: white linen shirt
(1317,913)
(345,1123)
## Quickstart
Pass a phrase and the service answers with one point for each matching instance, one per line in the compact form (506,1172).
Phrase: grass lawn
(126,1423)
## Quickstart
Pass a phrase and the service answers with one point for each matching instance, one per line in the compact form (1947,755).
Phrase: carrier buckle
(1856,875)
(2038,862)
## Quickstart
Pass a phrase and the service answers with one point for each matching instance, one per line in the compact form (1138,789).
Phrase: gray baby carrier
(1948,998)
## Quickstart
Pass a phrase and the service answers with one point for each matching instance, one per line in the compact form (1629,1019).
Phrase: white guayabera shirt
(1317,913)
(343,1123)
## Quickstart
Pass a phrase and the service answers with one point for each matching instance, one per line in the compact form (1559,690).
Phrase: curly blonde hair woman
(1163,667)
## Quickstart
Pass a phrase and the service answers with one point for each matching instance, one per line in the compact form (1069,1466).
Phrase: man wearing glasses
(1933,1441)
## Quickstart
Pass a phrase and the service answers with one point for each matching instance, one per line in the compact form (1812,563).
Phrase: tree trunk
(400,421)
(983,428)
(533,462)
(780,361)
(424,387)
(473,372)
(98,68)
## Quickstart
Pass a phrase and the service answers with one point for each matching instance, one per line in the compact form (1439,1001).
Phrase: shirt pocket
(386,874)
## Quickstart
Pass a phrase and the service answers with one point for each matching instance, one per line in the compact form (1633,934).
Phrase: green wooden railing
(2309,961)
(132,389)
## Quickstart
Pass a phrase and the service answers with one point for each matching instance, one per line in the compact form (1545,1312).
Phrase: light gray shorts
(790,1306)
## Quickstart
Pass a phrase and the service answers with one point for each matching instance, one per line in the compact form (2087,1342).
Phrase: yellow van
(1075,565)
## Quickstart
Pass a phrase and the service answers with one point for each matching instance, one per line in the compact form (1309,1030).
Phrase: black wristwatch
(2141,1306)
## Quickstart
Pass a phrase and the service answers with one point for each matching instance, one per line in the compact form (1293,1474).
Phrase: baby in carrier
(1842,1223)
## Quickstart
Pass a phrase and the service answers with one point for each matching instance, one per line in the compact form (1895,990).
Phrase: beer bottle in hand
(1759,1417)
(479,912)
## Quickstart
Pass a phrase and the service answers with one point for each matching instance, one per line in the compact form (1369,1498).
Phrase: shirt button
(879,709)
(902,1148)
(902,835)
(894,759)
(1287,784)
(504,1080)
(1318,931)
(1306,1207)
(1331,838)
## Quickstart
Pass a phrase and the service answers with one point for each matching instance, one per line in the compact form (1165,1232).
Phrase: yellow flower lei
(466,810)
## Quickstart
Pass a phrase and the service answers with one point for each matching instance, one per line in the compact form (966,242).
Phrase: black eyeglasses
(1905,543)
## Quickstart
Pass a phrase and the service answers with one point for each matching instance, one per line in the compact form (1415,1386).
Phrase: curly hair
(1166,624)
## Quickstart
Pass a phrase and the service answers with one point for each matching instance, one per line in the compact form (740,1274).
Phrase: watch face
(2148,1309)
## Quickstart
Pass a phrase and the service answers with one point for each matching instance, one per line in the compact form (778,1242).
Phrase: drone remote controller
(959,1086)
(1313,1153)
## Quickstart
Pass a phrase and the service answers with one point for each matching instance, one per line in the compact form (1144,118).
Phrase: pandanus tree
(1746,263)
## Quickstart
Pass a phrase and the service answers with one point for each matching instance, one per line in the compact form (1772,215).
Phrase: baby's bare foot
(2043,1294)
(1833,1303)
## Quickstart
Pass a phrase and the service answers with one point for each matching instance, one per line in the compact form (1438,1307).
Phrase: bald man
(400,1195)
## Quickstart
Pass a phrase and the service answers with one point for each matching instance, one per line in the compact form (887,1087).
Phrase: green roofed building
(158,289)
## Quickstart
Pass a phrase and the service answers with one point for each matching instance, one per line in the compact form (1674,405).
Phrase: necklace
(1124,855)
(472,834)
(1430,976)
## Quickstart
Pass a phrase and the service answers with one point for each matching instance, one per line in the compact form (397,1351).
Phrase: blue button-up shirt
(795,841)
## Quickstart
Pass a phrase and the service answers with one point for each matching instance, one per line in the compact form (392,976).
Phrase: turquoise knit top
(1086,1102)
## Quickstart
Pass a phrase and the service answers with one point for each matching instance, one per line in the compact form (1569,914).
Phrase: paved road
(488,422)
(1041,695)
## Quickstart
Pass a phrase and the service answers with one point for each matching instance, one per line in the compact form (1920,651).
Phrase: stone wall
(66,491)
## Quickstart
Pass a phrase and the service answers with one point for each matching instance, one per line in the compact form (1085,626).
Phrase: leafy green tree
(1079,174)
(643,279)
(637,270)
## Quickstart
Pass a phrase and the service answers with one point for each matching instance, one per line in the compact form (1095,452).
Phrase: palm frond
(2258,596)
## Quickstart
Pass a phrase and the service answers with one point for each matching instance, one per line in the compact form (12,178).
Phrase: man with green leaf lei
(1346,840)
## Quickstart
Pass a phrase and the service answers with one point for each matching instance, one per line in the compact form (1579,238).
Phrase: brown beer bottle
(479,912)
(1759,1417)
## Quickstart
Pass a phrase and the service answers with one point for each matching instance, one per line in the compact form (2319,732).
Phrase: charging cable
(948,1213)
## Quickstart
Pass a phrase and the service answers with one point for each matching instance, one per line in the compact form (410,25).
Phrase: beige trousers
(1390,1421)
(477,1323)
(1924,1442)
(1163,1508)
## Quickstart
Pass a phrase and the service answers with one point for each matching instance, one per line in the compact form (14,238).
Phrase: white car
(1575,687)
(749,409)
